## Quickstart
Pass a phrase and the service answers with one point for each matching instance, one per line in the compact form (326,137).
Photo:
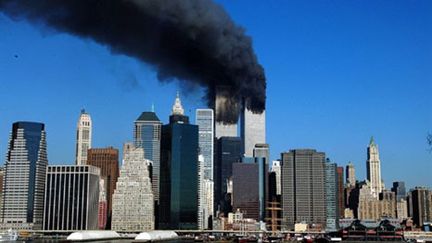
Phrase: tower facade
(373,165)
(83,138)
(252,129)
(147,135)
(71,197)
(179,172)
(331,193)
(205,120)
(220,105)
(350,175)
(303,187)
(25,175)
(133,202)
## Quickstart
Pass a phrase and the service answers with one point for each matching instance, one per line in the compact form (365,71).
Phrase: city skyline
(395,93)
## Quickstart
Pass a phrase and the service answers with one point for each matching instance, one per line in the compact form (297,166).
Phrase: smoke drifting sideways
(187,40)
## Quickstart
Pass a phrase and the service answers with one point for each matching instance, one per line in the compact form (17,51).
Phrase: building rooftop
(148,116)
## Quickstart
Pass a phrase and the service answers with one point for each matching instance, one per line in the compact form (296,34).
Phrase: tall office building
(252,129)
(340,191)
(245,196)
(83,137)
(276,168)
(421,205)
(331,196)
(205,196)
(133,201)
(399,189)
(373,165)
(107,160)
(303,187)
(205,120)
(228,151)
(220,105)
(71,197)
(25,174)
(402,209)
(350,175)
(147,135)
(179,172)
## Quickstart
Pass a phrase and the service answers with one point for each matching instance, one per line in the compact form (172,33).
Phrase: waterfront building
(71,198)
(340,191)
(399,189)
(107,160)
(252,129)
(221,104)
(350,175)
(373,165)
(83,137)
(421,205)
(24,177)
(331,196)
(147,135)
(303,187)
(179,172)
(228,151)
(133,201)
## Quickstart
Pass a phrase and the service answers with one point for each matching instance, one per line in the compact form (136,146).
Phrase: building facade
(252,130)
(83,138)
(276,168)
(245,196)
(107,160)
(221,104)
(331,194)
(24,177)
(133,201)
(340,191)
(147,135)
(350,175)
(71,198)
(205,121)
(179,172)
(421,205)
(399,189)
(373,165)
(303,187)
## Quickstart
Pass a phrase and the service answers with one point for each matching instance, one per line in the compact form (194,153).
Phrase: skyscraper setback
(147,135)
(25,174)
(83,137)
(373,165)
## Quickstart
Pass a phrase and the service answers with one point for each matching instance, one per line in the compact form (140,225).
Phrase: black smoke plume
(189,40)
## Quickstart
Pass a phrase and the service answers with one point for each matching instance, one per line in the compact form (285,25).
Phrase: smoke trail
(193,40)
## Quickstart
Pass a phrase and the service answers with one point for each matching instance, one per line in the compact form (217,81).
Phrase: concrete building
(147,135)
(421,205)
(373,165)
(24,177)
(350,175)
(331,196)
(399,189)
(83,138)
(133,201)
(388,203)
(71,198)
(107,160)
(303,187)
(402,209)
(179,172)
(253,129)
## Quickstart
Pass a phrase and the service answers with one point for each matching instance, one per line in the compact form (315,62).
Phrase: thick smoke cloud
(189,40)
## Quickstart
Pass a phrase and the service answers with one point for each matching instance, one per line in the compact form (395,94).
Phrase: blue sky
(338,72)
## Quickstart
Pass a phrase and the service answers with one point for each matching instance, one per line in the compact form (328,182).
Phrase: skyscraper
(276,168)
(350,175)
(133,202)
(71,197)
(252,129)
(107,160)
(246,185)
(25,174)
(147,135)
(220,105)
(373,165)
(331,195)
(399,189)
(179,172)
(83,137)
(340,191)
(228,151)
(205,120)
(421,205)
(303,187)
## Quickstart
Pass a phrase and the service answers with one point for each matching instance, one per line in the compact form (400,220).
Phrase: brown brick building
(107,160)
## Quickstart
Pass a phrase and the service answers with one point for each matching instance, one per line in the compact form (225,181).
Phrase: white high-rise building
(83,137)
(204,120)
(252,130)
(373,165)
(133,201)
